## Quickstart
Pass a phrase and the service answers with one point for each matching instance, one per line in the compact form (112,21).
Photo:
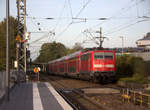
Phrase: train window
(99,55)
(84,57)
(108,55)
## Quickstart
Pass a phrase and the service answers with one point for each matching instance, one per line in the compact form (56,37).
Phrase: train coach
(96,65)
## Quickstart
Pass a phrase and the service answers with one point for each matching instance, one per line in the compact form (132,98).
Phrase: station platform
(35,96)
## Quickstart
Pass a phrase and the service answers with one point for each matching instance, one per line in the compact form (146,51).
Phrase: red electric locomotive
(96,65)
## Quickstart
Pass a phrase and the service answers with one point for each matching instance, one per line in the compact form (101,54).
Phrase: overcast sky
(127,18)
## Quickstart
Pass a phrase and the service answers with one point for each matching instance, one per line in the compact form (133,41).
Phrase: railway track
(73,92)
(82,101)
(76,98)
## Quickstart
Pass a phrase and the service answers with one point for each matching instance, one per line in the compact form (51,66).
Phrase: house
(144,42)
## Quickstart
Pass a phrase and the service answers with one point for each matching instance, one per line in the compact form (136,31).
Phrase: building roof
(147,37)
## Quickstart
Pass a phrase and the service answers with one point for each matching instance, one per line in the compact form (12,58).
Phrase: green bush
(147,67)
(2,67)
(132,68)
(124,66)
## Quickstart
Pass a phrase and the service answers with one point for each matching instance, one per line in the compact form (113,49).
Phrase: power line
(127,26)
(70,8)
(80,11)
(120,12)
(84,6)
(59,18)
(113,16)
(49,33)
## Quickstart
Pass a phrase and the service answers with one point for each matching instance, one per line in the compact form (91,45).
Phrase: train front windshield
(103,55)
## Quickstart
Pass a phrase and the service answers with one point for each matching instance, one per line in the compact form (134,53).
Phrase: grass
(136,78)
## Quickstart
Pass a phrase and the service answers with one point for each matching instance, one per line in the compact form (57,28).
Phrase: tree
(75,48)
(51,51)
(13,34)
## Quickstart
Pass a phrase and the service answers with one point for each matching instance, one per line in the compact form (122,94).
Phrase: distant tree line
(55,50)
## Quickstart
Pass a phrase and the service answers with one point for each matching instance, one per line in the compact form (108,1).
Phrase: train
(97,65)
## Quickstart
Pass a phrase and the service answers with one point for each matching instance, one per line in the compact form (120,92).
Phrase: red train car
(96,65)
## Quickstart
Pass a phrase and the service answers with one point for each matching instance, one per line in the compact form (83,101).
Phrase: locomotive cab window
(99,55)
(84,57)
(108,55)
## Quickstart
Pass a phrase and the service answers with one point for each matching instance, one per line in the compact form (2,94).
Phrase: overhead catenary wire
(47,18)
(61,13)
(44,36)
(122,28)
(128,24)
(69,24)
(84,6)
(108,19)
(71,15)
(115,16)
(70,8)
(120,12)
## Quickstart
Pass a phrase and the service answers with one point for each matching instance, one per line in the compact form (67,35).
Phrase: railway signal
(18,38)
(36,70)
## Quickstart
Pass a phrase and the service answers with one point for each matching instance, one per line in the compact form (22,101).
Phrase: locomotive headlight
(98,66)
(109,66)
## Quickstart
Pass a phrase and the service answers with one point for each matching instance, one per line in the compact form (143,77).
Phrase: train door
(77,64)
(84,63)
(89,62)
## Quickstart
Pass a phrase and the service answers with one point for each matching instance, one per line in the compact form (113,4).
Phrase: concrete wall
(2,84)
(13,79)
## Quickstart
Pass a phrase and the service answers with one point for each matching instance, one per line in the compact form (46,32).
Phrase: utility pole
(7,52)
(21,44)
(24,38)
(122,43)
(101,39)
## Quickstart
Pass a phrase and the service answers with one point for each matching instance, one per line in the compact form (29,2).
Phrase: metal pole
(38,76)
(122,43)
(7,51)
(101,40)
(21,7)
(18,12)
(25,30)
(17,56)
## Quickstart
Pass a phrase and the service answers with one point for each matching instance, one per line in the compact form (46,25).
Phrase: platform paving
(35,96)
